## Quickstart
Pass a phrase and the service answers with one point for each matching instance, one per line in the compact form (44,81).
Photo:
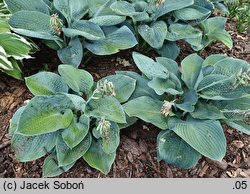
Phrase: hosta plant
(162,22)
(71,117)
(66,25)
(13,48)
(190,105)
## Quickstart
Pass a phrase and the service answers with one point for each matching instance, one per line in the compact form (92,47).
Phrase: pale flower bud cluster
(166,108)
(56,23)
(104,127)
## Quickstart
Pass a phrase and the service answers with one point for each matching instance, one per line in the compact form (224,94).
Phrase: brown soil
(136,155)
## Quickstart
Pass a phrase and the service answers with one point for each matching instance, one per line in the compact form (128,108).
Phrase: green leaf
(45,114)
(142,88)
(14,121)
(73,53)
(76,132)
(174,150)
(147,109)
(29,5)
(67,156)
(33,24)
(207,111)
(87,29)
(154,34)
(71,9)
(191,70)
(51,167)
(97,158)
(16,72)
(205,136)
(78,80)
(170,64)
(149,67)
(108,20)
(111,141)
(239,125)
(107,107)
(124,86)
(213,59)
(116,40)
(122,8)
(189,101)
(46,83)
(78,101)
(31,148)
(169,50)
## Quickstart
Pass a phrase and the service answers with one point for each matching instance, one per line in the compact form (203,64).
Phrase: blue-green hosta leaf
(78,80)
(97,158)
(97,6)
(71,9)
(33,24)
(171,5)
(34,147)
(46,83)
(170,64)
(214,29)
(108,20)
(51,167)
(149,67)
(29,5)
(111,141)
(169,50)
(73,53)
(189,101)
(205,136)
(87,29)
(142,88)
(207,111)
(124,86)
(15,46)
(78,101)
(14,121)
(147,109)
(192,70)
(130,121)
(76,132)
(192,13)
(67,156)
(45,114)
(222,7)
(213,59)
(107,107)
(154,34)
(174,150)
(239,125)
(122,8)
(117,40)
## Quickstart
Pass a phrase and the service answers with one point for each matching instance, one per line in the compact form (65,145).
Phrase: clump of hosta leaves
(190,104)
(66,26)
(71,117)
(13,49)
(162,22)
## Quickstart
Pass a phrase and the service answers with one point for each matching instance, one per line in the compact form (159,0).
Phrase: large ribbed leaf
(33,24)
(87,29)
(15,46)
(124,86)
(154,34)
(169,50)
(45,114)
(14,121)
(239,125)
(46,83)
(170,64)
(171,5)
(174,150)
(51,167)
(107,107)
(142,88)
(76,132)
(149,67)
(73,53)
(213,59)
(111,141)
(108,20)
(205,136)
(97,158)
(67,156)
(147,109)
(116,40)
(191,70)
(31,148)
(78,80)
(78,101)
(214,29)
(122,8)
(71,9)
(30,5)
(189,101)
